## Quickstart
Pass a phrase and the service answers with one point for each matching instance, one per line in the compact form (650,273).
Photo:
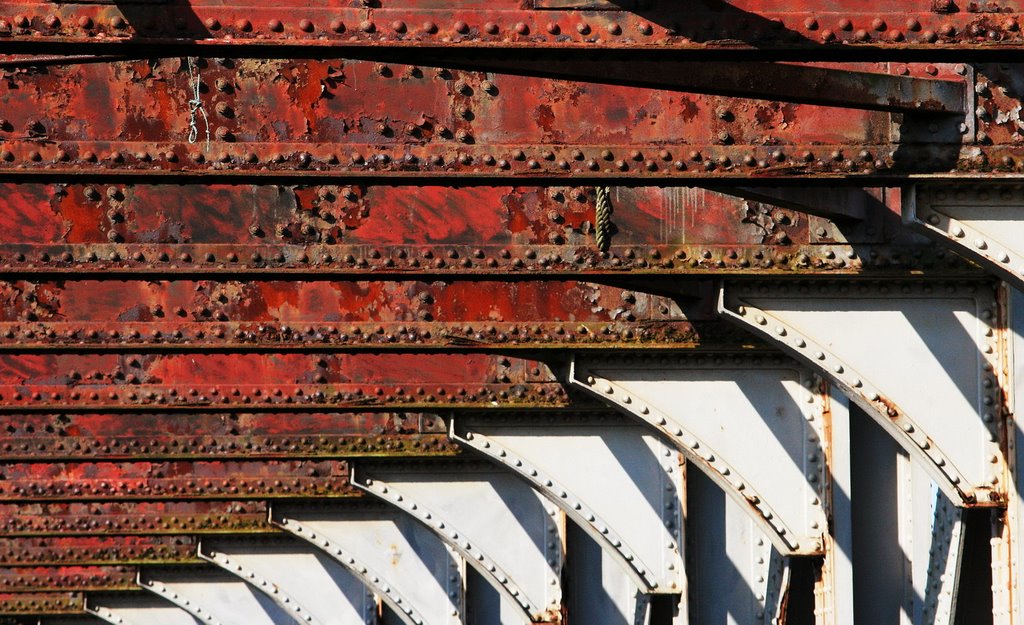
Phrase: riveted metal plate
(754,424)
(302,580)
(500,525)
(978,221)
(619,482)
(214,597)
(139,610)
(400,560)
(922,359)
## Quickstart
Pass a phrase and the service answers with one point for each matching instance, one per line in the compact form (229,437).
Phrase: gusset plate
(754,424)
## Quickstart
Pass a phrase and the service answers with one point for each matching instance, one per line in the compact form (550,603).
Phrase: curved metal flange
(619,483)
(213,597)
(918,357)
(752,423)
(981,222)
(301,580)
(494,520)
(139,610)
(404,563)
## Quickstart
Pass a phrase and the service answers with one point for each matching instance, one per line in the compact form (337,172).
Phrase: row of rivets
(268,587)
(573,506)
(848,378)
(356,566)
(697,450)
(452,536)
(182,602)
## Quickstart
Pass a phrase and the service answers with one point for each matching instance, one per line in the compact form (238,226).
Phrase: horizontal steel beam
(104,481)
(368,121)
(132,517)
(404,233)
(98,550)
(277,435)
(491,262)
(290,381)
(601,24)
(197,314)
(54,578)
(34,603)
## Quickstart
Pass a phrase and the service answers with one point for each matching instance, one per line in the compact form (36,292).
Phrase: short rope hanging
(196,104)
(603,232)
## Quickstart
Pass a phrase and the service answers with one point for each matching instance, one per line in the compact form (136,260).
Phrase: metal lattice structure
(617,312)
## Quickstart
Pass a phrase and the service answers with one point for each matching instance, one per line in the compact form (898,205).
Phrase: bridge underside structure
(618,312)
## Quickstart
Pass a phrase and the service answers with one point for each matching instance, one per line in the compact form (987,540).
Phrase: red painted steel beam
(295,119)
(77,382)
(98,550)
(393,232)
(65,518)
(853,25)
(277,435)
(56,578)
(193,315)
(225,479)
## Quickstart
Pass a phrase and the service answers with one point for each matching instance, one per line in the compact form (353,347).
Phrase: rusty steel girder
(98,550)
(377,231)
(69,382)
(190,315)
(31,603)
(428,123)
(107,481)
(63,436)
(132,517)
(708,25)
(87,578)
(263,268)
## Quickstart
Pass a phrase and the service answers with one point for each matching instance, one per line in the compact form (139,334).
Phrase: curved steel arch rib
(753,424)
(404,563)
(300,579)
(617,482)
(982,222)
(140,610)
(214,597)
(495,521)
(921,359)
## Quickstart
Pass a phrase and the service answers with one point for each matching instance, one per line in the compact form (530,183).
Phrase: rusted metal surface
(619,24)
(41,603)
(383,232)
(415,381)
(162,435)
(361,119)
(243,247)
(83,481)
(87,578)
(190,314)
(132,517)
(98,550)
